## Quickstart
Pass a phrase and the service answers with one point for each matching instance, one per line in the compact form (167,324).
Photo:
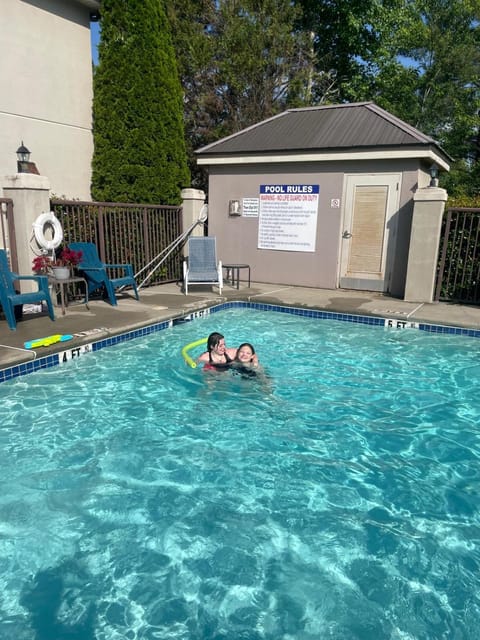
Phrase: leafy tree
(262,65)
(444,43)
(418,59)
(350,38)
(244,61)
(140,153)
(240,62)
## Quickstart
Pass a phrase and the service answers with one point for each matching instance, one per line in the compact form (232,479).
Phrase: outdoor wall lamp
(434,175)
(23,158)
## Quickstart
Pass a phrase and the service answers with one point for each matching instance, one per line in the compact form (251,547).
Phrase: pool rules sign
(288,217)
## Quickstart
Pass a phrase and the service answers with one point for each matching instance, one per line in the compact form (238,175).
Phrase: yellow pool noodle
(187,348)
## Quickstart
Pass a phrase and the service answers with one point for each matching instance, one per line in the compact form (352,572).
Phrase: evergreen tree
(140,153)
(192,29)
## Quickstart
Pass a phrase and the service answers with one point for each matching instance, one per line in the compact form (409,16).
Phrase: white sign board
(288,217)
(250,207)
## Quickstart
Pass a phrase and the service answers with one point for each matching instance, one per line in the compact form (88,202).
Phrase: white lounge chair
(202,267)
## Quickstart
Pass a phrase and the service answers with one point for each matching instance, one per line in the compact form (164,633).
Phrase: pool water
(336,497)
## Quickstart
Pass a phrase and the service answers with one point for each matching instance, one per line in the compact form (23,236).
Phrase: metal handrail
(202,218)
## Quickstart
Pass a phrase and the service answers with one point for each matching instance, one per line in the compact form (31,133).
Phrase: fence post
(193,201)
(428,208)
(30,194)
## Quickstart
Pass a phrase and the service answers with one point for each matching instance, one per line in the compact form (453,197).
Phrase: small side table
(61,286)
(233,273)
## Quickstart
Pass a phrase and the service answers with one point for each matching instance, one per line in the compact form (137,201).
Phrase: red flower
(70,258)
(41,264)
(66,258)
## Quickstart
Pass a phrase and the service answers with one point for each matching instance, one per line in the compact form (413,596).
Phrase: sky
(95,37)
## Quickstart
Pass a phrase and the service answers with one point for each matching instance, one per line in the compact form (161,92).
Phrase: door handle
(346,234)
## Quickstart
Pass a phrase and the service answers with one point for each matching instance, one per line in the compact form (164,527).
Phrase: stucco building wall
(237,236)
(46,97)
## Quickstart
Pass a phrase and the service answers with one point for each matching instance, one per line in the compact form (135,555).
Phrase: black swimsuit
(245,372)
(220,366)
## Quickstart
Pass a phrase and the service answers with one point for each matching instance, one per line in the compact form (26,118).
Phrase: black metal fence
(136,234)
(458,274)
(125,233)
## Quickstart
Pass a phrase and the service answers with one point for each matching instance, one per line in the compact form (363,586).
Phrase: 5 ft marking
(400,324)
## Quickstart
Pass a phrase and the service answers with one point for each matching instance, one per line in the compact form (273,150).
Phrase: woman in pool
(217,356)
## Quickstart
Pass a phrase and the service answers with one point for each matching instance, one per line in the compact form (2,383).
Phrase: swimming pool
(336,499)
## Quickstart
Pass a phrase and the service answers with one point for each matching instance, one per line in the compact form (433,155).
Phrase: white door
(369,223)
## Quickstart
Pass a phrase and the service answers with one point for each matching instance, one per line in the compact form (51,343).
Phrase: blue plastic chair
(202,266)
(10,299)
(95,271)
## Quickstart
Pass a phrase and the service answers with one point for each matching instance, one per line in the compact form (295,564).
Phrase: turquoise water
(337,498)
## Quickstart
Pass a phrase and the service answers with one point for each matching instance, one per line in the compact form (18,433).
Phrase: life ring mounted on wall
(44,222)
(203,215)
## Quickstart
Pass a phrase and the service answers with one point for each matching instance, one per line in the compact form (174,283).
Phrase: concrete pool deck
(167,301)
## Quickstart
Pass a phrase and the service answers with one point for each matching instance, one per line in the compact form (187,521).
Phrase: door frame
(393,180)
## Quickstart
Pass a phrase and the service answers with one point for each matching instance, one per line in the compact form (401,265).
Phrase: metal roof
(91,4)
(354,126)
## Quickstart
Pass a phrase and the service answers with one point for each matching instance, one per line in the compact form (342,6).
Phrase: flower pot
(61,273)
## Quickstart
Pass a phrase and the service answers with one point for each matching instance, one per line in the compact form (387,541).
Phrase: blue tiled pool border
(54,359)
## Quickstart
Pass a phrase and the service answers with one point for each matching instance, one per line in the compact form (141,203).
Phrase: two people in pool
(220,357)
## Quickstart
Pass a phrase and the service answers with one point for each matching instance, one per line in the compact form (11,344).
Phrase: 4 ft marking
(76,352)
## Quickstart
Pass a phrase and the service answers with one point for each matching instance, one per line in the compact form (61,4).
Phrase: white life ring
(43,222)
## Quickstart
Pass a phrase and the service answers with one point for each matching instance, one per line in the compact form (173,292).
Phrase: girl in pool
(246,361)
(217,356)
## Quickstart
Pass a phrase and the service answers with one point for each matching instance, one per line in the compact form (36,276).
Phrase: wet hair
(213,339)
(246,344)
